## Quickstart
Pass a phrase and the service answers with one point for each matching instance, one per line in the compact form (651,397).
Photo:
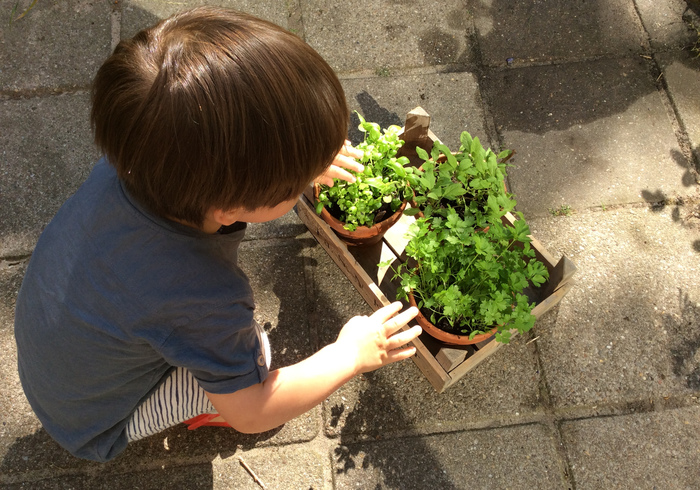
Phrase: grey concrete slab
(650,450)
(586,134)
(139,14)
(57,45)
(629,330)
(47,152)
(398,399)
(512,457)
(681,71)
(182,476)
(452,99)
(663,21)
(16,417)
(278,467)
(356,35)
(276,272)
(287,226)
(555,30)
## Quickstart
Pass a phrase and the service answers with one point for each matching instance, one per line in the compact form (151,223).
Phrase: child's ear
(222,217)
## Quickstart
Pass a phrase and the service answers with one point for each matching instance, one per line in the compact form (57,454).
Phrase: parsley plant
(472,268)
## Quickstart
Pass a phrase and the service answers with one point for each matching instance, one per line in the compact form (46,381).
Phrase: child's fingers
(400,354)
(349,150)
(396,323)
(348,161)
(325,181)
(386,312)
(334,172)
(401,338)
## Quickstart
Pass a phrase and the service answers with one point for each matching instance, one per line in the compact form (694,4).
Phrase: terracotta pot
(363,236)
(448,338)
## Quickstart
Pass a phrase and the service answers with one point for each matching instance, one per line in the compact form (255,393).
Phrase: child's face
(217,217)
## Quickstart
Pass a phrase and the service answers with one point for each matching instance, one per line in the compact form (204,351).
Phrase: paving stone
(356,35)
(185,476)
(57,45)
(453,101)
(47,152)
(586,135)
(287,226)
(681,71)
(663,20)
(284,468)
(398,398)
(513,457)
(629,330)
(139,14)
(555,30)
(16,417)
(276,467)
(276,272)
(659,449)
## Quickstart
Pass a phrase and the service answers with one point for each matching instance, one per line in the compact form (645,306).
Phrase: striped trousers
(177,399)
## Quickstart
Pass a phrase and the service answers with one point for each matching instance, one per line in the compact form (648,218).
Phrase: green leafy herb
(379,190)
(471,267)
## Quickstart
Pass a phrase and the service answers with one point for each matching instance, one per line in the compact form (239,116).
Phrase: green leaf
(422,154)
(453,191)
(466,139)
(428,180)
(505,154)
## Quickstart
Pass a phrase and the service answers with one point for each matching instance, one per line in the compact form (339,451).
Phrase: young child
(134,315)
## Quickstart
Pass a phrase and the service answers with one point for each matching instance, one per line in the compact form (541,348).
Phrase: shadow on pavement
(684,211)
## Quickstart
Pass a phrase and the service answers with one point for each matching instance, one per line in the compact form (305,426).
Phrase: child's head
(213,108)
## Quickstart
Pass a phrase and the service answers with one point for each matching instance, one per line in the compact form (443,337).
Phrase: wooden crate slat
(560,275)
(552,300)
(416,132)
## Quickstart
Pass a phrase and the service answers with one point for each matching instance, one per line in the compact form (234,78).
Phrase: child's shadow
(161,456)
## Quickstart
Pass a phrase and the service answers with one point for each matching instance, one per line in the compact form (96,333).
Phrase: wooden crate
(441,364)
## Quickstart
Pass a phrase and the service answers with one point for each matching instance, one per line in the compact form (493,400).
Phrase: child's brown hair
(216,108)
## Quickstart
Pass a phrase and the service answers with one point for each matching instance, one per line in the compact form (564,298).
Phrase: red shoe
(204,419)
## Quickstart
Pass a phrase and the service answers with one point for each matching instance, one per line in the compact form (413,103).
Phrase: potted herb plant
(361,212)
(468,266)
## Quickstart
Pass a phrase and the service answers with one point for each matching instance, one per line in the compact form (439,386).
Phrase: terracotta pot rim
(447,337)
(362,235)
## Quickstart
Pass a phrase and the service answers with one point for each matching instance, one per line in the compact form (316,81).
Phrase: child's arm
(364,344)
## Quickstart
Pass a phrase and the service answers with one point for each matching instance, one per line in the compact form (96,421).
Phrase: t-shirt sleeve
(223,350)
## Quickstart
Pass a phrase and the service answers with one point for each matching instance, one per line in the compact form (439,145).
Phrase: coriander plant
(379,190)
(471,267)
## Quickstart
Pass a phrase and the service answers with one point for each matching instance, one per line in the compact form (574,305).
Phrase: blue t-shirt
(112,299)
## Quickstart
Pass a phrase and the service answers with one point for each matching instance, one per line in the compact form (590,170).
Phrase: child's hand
(374,342)
(344,159)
